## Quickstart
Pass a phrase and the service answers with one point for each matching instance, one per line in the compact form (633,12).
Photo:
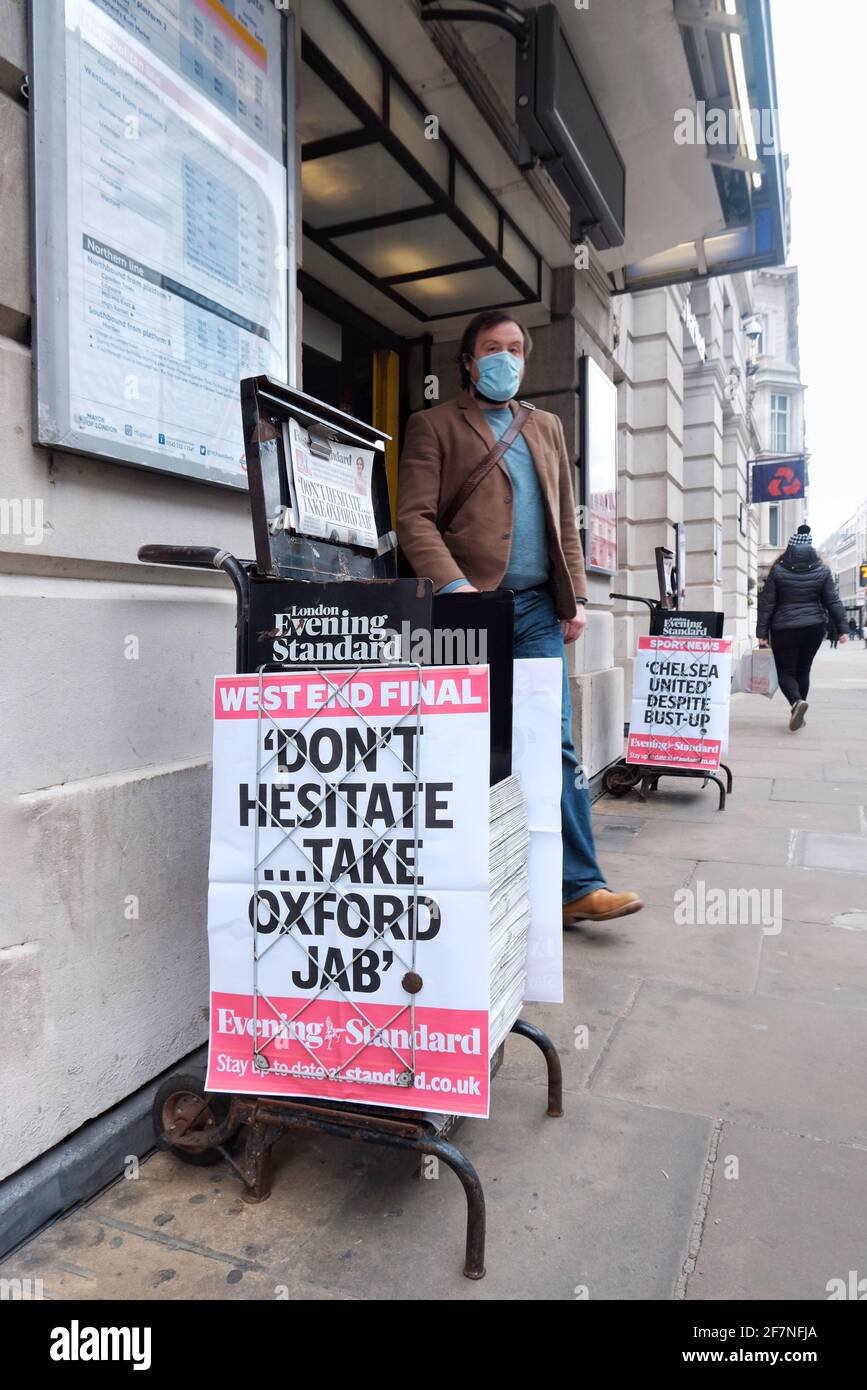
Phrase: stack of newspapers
(510,906)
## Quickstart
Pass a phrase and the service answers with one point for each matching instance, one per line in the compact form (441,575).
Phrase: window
(599,466)
(780,424)
(773,525)
(757,346)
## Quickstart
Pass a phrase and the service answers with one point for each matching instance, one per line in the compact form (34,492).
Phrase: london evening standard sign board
(348,916)
(160,197)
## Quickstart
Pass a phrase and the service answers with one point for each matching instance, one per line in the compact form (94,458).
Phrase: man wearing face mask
(485,502)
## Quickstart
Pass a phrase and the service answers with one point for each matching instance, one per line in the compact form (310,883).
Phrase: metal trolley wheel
(183,1107)
(620,779)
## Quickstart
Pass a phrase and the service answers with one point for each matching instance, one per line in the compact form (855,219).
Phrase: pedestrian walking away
(798,603)
(832,634)
(486,502)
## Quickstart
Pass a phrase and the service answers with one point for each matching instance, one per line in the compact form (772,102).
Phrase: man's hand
(844,637)
(573,627)
(762,641)
(465,589)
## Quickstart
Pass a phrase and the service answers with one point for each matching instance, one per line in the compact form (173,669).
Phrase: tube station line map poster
(176,220)
(348,915)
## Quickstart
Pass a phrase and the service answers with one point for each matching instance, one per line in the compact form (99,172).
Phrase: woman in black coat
(798,601)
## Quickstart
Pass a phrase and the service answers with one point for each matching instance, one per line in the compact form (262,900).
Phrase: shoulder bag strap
(481,470)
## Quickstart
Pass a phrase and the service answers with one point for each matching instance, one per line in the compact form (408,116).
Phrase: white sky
(819,50)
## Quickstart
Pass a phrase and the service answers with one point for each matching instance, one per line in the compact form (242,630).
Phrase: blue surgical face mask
(499,375)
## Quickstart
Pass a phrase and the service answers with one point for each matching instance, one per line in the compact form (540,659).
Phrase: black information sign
(296,622)
(484,624)
(671,622)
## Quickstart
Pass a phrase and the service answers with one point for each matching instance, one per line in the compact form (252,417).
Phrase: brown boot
(600,906)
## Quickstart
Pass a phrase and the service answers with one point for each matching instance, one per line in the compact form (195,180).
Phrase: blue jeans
(538,633)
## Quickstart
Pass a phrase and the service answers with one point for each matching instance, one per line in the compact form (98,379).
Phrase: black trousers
(794,649)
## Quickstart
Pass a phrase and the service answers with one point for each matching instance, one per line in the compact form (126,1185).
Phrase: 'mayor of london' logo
(77,1343)
(736,907)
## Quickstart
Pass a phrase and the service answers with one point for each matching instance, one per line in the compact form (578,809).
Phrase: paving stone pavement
(714,1144)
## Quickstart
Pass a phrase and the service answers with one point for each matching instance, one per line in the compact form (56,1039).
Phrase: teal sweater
(528,563)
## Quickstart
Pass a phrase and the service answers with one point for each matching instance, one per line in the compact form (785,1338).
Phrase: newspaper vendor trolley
(199,1126)
(622,776)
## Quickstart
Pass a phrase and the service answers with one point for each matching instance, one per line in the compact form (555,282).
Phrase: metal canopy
(731,62)
(470,254)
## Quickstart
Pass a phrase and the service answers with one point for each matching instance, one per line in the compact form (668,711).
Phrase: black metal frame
(621,776)
(376,130)
(265,404)
(662,554)
(266,1119)
(547,72)
(509,17)
(337,307)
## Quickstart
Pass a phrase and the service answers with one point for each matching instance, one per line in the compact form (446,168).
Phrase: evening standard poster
(176,227)
(681,695)
(348,918)
(331,489)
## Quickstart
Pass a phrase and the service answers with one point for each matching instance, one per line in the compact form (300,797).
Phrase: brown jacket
(443,445)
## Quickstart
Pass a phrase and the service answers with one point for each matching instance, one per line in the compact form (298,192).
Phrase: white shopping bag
(756,674)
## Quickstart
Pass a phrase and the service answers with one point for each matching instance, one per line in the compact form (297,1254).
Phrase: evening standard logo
(281,1031)
(330,633)
(357,1032)
(684,627)
(77,1343)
